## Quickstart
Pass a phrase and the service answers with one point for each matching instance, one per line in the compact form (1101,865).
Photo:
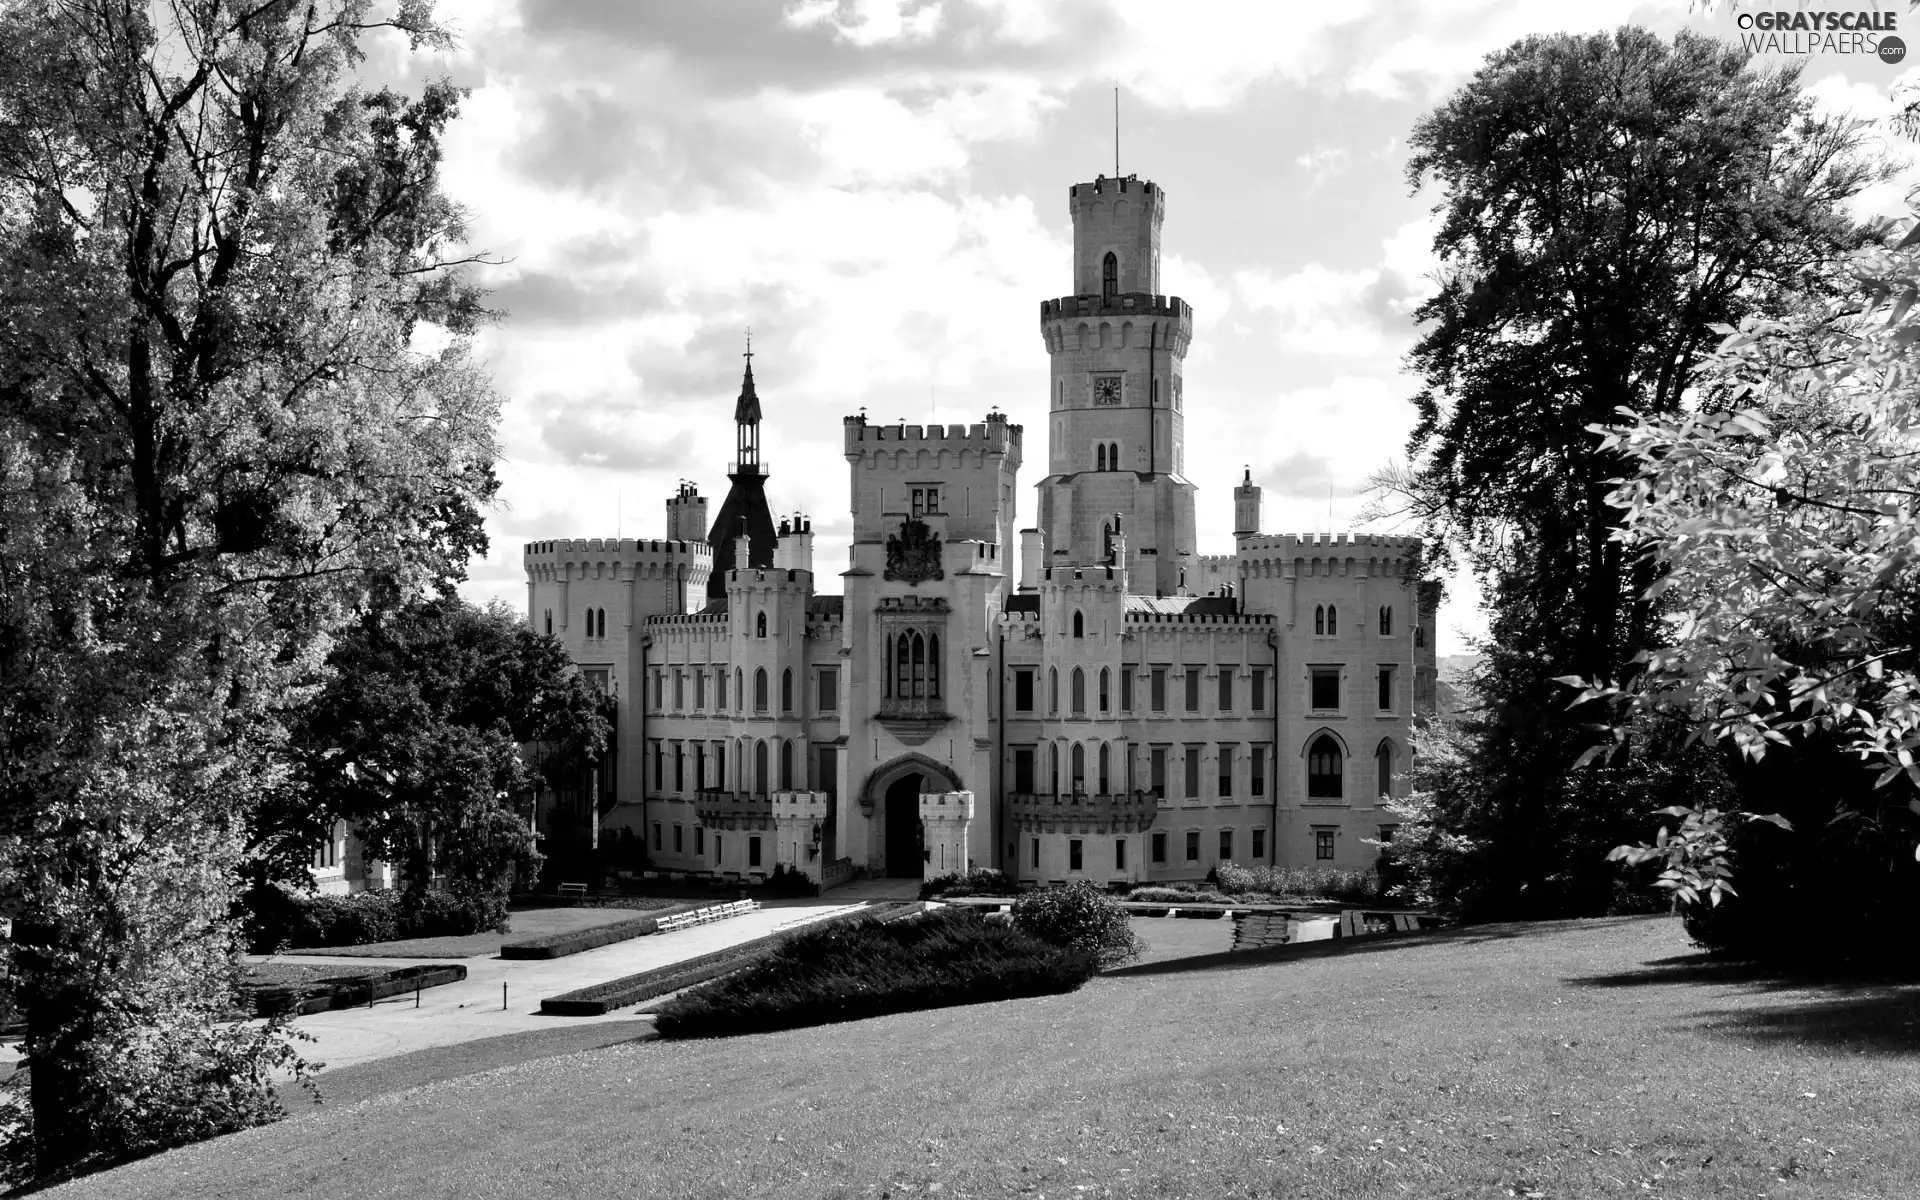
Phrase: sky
(878,188)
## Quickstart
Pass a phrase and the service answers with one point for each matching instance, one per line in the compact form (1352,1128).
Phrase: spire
(747,410)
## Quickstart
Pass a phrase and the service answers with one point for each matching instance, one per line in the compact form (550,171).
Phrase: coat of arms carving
(914,556)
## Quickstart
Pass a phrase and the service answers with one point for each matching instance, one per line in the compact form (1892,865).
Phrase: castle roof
(746,411)
(1195,606)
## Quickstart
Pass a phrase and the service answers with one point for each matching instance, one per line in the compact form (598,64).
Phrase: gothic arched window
(786,766)
(1113,456)
(1386,618)
(1110,276)
(1420,637)
(1323,769)
(1100,457)
(1104,693)
(760,768)
(1053,689)
(1383,767)
(1053,768)
(786,691)
(1079,767)
(1079,626)
(1103,769)
(760,625)
(1079,685)
(1333,621)
(759,689)
(933,667)
(549,622)
(1319,618)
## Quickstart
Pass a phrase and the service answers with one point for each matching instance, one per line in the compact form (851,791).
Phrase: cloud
(1301,474)
(610,435)
(1322,162)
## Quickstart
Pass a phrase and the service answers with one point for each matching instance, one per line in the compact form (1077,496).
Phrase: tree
(1782,520)
(217,441)
(415,742)
(1608,200)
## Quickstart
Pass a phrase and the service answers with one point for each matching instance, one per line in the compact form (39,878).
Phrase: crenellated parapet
(616,558)
(1375,555)
(1119,812)
(734,810)
(1162,618)
(995,435)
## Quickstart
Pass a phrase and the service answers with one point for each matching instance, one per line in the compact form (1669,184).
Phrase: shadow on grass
(1379,943)
(1865,1012)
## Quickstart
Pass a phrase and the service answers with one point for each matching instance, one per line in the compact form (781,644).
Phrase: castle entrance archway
(892,797)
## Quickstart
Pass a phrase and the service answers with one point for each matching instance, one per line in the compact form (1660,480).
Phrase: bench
(575,891)
(1406,923)
(1352,924)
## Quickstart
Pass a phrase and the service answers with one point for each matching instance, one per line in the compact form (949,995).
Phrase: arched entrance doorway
(905,848)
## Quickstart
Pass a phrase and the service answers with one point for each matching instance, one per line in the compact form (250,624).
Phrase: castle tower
(1117,430)
(1246,507)
(745,509)
(687,514)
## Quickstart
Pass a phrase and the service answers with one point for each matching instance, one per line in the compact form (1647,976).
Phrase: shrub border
(599,999)
(306,999)
(559,945)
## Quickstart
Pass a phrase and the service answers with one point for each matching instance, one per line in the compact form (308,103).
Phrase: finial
(749,354)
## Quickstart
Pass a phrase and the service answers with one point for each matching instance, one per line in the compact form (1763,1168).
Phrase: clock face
(1106,389)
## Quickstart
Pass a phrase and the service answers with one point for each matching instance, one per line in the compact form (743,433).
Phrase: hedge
(324,994)
(559,945)
(602,998)
(871,969)
(274,916)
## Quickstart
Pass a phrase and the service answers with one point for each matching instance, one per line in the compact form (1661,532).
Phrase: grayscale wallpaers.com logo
(1802,33)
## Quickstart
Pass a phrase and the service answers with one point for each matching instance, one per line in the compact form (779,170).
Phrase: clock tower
(1116,434)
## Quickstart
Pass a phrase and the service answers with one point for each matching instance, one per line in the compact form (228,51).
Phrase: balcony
(1097,812)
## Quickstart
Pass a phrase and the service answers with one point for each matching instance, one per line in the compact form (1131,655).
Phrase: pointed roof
(747,410)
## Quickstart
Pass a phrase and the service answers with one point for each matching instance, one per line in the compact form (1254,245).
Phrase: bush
(981,881)
(869,969)
(1079,917)
(275,917)
(1168,895)
(1354,887)
(791,881)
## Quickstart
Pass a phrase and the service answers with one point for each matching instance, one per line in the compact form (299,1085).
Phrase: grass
(1572,1059)
(526,923)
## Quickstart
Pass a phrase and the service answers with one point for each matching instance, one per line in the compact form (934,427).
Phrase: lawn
(526,923)
(1563,1060)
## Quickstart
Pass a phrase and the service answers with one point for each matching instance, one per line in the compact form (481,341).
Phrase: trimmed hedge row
(559,945)
(274,916)
(602,998)
(851,973)
(323,994)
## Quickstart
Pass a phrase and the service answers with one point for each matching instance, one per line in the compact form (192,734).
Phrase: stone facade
(1117,707)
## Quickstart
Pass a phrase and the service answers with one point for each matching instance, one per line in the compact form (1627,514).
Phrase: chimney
(1031,549)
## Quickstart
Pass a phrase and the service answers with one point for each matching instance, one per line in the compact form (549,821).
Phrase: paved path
(458,1012)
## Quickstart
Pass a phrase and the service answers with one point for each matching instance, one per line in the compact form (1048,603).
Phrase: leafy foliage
(980,881)
(217,440)
(1608,200)
(855,971)
(1081,918)
(277,917)
(1356,887)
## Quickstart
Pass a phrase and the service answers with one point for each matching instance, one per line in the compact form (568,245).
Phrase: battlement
(1131,812)
(562,549)
(996,433)
(1128,304)
(1096,576)
(1114,186)
(1163,618)
(1323,542)
(775,577)
(717,619)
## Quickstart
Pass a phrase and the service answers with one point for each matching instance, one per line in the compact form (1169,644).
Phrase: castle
(1119,707)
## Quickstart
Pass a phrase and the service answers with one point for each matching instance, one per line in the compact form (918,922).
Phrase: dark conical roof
(745,511)
(747,410)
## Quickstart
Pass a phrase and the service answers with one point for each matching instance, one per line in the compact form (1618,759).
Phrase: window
(549,622)
(1109,276)
(1226,689)
(759,689)
(1119,854)
(1126,688)
(1323,844)
(659,691)
(1259,844)
(1079,625)
(1104,790)
(1053,770)
(659,766)
(916,665)
(739,691)
(1053,689)
(1036,853)
(760,768)
(1192,760)
(1079,688)
(1100,457)
(760,625)
(699,767)
(1073,855)
(1226,770)
(1159,847)
(1383,768)
(1386,689)
(699,839)
(925,500)
(1320,620)
(1104,674)
(829,696)
(1193,845)
(679,767)
(1419,637)
(656,835)
(1079,761)
(679,837)
(1023,770)
(1160,771)
(1323,769)
(1157,695)
(1193,686)
(1226,845)
(1325,693)
(1386,620)
(786,766)
(679,691)
(1023,691)
(786,691)
(720,764)
(753,851)
(1333,622)
(699,690)
(719,851)
(1258,690)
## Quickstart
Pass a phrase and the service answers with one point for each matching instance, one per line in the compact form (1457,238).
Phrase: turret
(1246,507)
(745,507)
(794,549)
(687,514)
